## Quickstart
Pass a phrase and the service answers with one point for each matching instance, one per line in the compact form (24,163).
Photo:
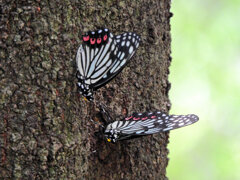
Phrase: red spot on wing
(144,118)
(85,38)
(128,118)
(153,117)
(105,37)
(136,119)
(99,40)
(92,40)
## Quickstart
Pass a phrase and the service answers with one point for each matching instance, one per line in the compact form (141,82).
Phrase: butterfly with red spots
(101,57)
(140,124)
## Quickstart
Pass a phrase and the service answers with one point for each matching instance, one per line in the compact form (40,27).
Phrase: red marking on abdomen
(153,117)
(92,40)
(144,118)
(85,38)
(128,118)
(136,118)
(105,37)
(99,40)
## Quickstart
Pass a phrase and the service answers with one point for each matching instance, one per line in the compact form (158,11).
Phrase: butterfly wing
(94,59)
(101,57)
(127,44)
(147,123)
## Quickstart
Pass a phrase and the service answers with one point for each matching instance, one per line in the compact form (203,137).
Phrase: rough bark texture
(45,132)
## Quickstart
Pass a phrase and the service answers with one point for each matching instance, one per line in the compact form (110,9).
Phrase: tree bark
(45,127)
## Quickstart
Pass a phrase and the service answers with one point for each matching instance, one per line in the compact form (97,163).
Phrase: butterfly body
(145,124)
(101,57)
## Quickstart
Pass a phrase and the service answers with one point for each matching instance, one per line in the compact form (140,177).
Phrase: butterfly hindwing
(94,59)
(101,57)
(127,44)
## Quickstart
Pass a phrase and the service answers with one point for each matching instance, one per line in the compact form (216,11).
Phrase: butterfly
(141,124)
(101,57)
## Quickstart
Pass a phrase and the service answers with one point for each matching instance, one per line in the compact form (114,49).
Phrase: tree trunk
(45,126)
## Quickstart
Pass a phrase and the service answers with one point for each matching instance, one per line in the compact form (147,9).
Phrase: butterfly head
(88,94)
(111,136)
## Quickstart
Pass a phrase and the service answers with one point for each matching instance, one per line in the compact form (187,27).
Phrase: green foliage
(205,77)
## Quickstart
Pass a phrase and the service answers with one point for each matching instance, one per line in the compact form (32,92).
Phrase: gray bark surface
(45,128)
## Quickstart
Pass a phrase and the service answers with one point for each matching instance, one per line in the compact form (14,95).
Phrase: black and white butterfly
(140,124)
(101,57)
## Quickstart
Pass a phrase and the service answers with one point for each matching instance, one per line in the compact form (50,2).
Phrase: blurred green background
(205,77)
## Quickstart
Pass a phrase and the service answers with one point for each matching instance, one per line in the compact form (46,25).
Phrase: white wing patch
(130,50)
(80,53)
